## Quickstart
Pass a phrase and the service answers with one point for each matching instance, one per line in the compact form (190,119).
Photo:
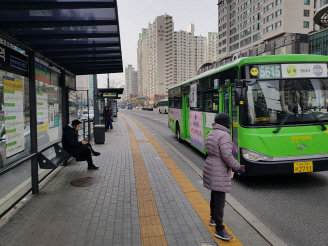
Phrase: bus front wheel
(178,134)
(159,111)
(165,111)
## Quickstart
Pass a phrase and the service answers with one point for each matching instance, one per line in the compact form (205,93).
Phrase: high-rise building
(131,80)
(142,62)
(212,47)
(158,49)
(172,56)
(188,55)
(244,24)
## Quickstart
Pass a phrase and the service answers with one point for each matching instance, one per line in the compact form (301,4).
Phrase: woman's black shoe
(96,153)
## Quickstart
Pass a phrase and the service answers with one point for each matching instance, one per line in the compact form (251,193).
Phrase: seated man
(79,150)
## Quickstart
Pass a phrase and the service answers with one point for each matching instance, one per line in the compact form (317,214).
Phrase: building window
(257,36)
(269,28)
(306,24)
(306,2)
(306,13)
(278,2)
(278,13)
(270,17)
(278,24)
(270,6)
(245,42)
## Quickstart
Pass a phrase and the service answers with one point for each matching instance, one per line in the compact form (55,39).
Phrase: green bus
(278,105)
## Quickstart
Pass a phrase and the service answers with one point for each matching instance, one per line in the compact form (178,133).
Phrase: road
(294,207)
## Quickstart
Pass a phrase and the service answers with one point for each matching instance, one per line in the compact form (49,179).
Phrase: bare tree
(115,83)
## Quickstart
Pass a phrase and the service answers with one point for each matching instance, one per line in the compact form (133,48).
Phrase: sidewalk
(143,194)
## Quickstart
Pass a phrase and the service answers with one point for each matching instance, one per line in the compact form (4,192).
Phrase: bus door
(186,121)
(227,102)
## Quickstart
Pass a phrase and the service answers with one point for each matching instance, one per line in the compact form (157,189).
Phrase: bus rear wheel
(159,111)
(165,111)
(179,134)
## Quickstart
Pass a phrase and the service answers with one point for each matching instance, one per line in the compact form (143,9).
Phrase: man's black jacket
(70,142)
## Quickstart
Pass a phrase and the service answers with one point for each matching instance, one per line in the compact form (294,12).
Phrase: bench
(61,156)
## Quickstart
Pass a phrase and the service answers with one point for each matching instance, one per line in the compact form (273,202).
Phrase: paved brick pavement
(107,212)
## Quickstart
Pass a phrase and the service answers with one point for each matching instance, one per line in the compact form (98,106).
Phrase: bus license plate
(303,167)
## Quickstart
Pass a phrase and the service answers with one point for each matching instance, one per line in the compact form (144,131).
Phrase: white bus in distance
(163,106)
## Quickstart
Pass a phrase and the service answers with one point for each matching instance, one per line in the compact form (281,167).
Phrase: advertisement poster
(14,115)
(51,116)
(42,111)
(193,96)
(42,73)
(56,112)
(196,129)
(209,119)
(175,113)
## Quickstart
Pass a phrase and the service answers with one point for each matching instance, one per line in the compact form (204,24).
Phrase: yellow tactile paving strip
(151,229)
(198,202)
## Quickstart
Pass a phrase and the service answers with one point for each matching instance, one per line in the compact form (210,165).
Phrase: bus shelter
(107,97)
(43,46)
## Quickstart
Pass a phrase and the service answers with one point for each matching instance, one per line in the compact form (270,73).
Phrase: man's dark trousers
(86,155)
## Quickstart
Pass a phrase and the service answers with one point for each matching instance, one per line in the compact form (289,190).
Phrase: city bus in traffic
(277,105)
(129,106)
(163,106)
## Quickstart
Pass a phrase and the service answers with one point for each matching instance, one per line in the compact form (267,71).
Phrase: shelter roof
(81,36)
(111,90)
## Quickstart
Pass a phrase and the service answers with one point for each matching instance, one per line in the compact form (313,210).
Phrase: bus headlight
(255,156)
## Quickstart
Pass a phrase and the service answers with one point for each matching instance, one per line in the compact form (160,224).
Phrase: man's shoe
(93,167)
(212,222)
(96,153)
(224,235)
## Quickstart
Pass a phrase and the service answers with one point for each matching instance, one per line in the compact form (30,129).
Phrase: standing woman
(107,118)
(217,170)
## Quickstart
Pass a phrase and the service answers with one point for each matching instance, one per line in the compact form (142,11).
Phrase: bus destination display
(301,70)
(109,94)
(269,71)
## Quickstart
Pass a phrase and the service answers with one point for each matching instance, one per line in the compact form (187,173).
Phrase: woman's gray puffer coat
(220,159)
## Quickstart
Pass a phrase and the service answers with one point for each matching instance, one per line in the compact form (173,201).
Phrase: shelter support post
(95,100)
(33,124)
(65,111)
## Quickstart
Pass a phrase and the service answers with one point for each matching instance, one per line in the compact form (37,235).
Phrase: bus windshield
(269,101)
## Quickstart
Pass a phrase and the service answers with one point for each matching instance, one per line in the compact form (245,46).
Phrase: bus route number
(269,71)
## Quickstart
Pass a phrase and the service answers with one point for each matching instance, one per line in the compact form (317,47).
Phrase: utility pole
(108,80)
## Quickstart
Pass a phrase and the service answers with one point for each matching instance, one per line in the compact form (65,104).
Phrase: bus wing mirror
(240,96)
(241,90)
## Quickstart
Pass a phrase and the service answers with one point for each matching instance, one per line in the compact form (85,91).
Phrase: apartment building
(243,24)
(172,56)
(212,47)
(131,81)
(318,44)
(157,51)
(188,55)
(142,62)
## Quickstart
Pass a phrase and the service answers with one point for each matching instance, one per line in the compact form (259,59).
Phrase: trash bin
(99,134)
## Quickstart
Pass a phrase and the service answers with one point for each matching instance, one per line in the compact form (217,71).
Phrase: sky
(137,14)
